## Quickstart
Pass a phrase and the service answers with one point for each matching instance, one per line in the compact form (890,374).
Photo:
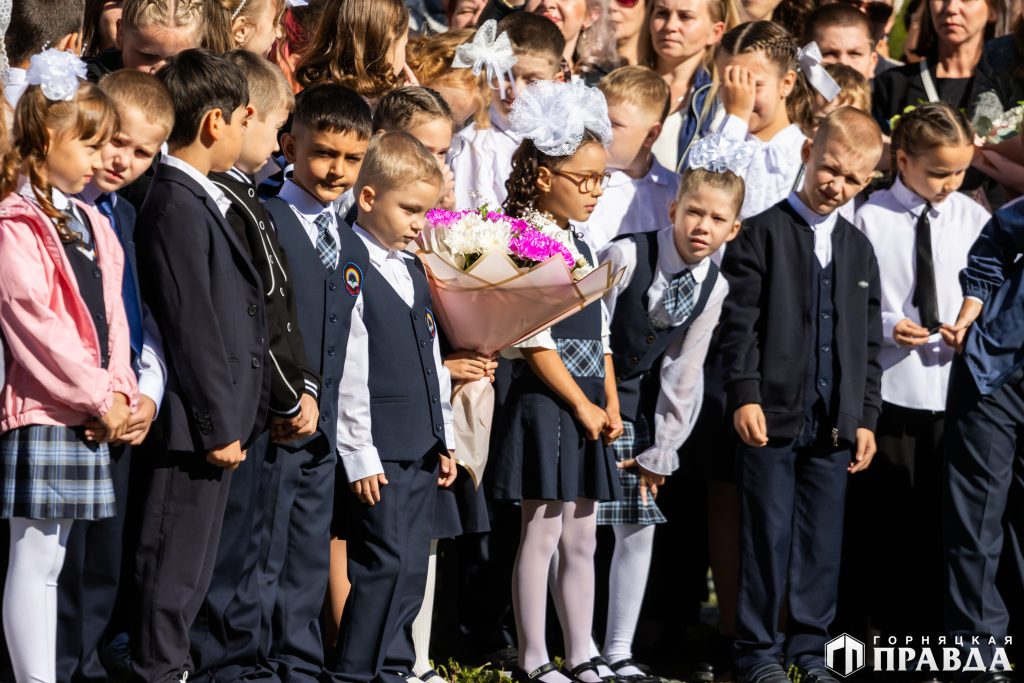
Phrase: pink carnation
(532,245)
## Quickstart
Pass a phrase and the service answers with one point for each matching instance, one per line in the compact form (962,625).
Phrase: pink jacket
(51,351)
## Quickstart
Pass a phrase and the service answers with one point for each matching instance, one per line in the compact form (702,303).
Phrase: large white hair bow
(5,21)
(809,59)
(488,51)
(57,73)
(720,153)
(555,115)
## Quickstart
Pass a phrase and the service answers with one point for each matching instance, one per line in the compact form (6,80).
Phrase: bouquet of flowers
(497,280)
(993,131)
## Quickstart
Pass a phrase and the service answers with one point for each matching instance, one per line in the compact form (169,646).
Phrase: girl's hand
(140,422)
(470,366)
(448,193)
(446,470)
(908,333)
(738,92)
(593,419)
(955,335)
(613,430)
(115,422)
(368,489)
(750,425)
(649,481)
(866,449)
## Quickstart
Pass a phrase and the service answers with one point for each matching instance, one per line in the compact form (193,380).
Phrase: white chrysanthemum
(473,235)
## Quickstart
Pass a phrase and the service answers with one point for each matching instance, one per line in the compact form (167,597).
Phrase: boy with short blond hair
(394,444)
(640,189)
(89,582)
(806,390)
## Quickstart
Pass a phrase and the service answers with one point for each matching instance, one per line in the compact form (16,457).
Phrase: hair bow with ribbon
(57,73)
(809,59)
(488,51)
(719,153)
(556,115)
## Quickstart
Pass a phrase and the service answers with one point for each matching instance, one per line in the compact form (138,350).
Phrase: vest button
(825,348)
(415,316)
(333,318)
(255,362)
(330,350)
(252,310)
(826,282)
(98,316)
(288,327)
(328,383)
(824,316)
(634,360)
(429,372)
(332,286)
(422,343)
(437,428)
(96,274)
(823,382)
(649,339)
(323,417)
(433,399)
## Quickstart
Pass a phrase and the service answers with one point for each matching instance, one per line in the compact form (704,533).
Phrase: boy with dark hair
(330,131)
(36,25)
(395,396)
(207,299)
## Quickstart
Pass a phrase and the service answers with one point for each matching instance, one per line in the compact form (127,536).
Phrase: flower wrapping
(993,131)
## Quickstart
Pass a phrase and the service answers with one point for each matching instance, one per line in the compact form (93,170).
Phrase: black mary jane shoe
(430,675)
(632,678)
(520,675)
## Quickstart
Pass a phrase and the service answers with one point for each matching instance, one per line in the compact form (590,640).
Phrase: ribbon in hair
(557,115)
(238,9)
(809,59)
(57,73)
(719,153)
(297,3)
(5,21)
(488,51)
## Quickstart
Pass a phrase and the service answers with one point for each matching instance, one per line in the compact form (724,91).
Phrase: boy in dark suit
(330,130)
(89,581)
(208,302)
(396,422)
(801,332)
(230,639)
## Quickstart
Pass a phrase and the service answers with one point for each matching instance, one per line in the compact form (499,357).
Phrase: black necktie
(925,295)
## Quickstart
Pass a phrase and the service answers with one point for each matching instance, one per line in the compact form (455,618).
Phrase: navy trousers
(791,520)
(388,551)
(89,582)
(294,579)
(983,489)
(225,636)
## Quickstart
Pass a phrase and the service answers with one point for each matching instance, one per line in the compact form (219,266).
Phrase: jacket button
(98,316)
(433,399)
(252,310)
(330,350)
(649,339)
(437,428)
(333,318)
(429,372)
(328,383)
(415,316)
(634,360)
(255,362)
(826,282)
(332,286)
(825,348)
(824,316)
(323,417)
(96,274)
(288,327)
(422,343)
(823,382)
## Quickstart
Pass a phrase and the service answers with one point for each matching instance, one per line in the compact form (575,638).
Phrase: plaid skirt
(630,509)
(51,472)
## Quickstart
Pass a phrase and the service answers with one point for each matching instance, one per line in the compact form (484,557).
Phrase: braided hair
(929,125)
(527,161)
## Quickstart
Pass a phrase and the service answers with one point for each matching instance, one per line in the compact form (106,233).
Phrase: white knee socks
(627,581)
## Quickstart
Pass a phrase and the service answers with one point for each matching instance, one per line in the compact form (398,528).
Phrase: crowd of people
(227,444)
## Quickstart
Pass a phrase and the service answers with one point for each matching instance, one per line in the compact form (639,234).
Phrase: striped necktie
(326,244)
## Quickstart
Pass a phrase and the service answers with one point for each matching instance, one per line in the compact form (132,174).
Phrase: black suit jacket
(207,300)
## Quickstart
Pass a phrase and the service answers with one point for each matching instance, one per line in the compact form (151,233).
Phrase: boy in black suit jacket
(801,331)
(208,302)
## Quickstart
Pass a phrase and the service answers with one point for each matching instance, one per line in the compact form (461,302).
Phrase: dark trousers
(892,548)
(179,536)
(791,521)
(983,490)
(225,635)
(89,582)
(388,550)
(298,566)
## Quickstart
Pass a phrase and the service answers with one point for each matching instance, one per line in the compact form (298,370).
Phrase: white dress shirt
(307,209)
(918,378)
(682,368)
(774,167)
(633,205)
(823,226)
(152,367)
(358,453)
(218,197)
(481,162)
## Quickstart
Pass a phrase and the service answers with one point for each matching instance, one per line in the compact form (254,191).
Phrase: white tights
(571,529)
(30,597)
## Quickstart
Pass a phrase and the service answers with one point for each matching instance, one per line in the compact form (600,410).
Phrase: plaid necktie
(77,225)
(326,245)
(678,300)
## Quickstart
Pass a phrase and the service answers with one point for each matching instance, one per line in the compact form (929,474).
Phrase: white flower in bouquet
(994,131)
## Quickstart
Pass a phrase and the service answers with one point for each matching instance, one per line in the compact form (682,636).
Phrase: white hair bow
(489,51)
(297,3)
(809,59)
(556,115)
(720,153)
(5,21)
(57,73)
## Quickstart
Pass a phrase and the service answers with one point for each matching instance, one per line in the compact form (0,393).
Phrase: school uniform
(91,577)
(981,484)
(807,286)
(632,205)
(893,504)
(481,160)
(545,453)
(207,299)
(394,418)
(327,266)
(774,168)
(663,313)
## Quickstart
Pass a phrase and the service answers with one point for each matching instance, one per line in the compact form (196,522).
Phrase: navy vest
(405,396)
(821,375)
(637,346)
(324,300)
(90,287)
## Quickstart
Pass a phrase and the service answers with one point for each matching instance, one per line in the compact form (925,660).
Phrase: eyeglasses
(585,182)
(878,12)
(628,4)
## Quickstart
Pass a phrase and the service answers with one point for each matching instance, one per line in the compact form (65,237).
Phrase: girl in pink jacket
(66,345)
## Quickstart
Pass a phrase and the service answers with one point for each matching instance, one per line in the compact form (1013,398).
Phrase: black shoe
(519,675)
(632,678)
(593,665)
(429,675)
(766,673)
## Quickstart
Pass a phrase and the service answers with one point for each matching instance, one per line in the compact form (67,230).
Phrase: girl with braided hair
(251,25)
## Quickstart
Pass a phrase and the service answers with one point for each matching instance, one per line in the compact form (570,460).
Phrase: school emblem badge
(353,279)
(431,326)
